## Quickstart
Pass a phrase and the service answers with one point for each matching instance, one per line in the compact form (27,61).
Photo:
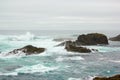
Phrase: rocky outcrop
(71,46)
(28,50)
(92,39)
(116,77)
(89,39)
(117,38)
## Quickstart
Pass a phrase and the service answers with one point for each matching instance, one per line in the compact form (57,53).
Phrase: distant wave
(24,37)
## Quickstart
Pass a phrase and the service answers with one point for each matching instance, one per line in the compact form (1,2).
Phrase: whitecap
(35,68)
(74,78)
(12,55)
(61,58)
(116,61)
(24,37)
(10,73)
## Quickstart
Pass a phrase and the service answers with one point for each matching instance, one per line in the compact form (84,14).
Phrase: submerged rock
(28,50)
(116,77)
(117,38)
(71,46)
(96,50)
(92,39)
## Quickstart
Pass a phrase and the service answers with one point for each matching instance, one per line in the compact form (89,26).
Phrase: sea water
(55,63)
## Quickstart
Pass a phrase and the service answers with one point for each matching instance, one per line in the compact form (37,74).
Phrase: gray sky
(60,14)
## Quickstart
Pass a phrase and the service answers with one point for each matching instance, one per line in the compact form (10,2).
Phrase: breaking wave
(23,37)
(36,68)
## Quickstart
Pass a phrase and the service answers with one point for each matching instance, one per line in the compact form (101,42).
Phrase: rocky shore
(116,77)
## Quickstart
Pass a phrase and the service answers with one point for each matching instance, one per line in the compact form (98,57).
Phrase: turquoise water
(55,63)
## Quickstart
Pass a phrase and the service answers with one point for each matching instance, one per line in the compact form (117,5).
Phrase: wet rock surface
(92,39)
(117,38)
(28,50)
(116,77)
(70,46)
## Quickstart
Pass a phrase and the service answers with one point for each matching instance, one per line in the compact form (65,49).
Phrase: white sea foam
(104,48)
(35,68)
(11,73)
(116,61)
(20,55)
(11,55)
(61,58)
(24,37)
(27,36)
(31,69)
(74,78)
(90,77)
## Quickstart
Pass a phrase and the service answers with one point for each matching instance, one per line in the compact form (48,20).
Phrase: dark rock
(95,50)
(116,77)
(117,38)
(68,43)
(28,50)
(92,39)
(71,46)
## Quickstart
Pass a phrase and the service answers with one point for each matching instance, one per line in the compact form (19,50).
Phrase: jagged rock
(28,50)
(117,38)
(92,39)
(116,77)
(71,46)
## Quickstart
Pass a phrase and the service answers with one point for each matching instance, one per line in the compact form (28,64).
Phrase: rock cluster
(28,50)
(89,39)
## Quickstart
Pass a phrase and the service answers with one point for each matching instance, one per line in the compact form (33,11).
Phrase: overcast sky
(60,14)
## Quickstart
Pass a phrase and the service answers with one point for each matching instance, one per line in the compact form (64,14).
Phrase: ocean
(55,63)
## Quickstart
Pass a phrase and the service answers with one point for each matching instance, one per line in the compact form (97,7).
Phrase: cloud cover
(60,14)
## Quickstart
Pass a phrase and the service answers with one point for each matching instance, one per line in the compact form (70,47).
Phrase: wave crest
(24,37)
